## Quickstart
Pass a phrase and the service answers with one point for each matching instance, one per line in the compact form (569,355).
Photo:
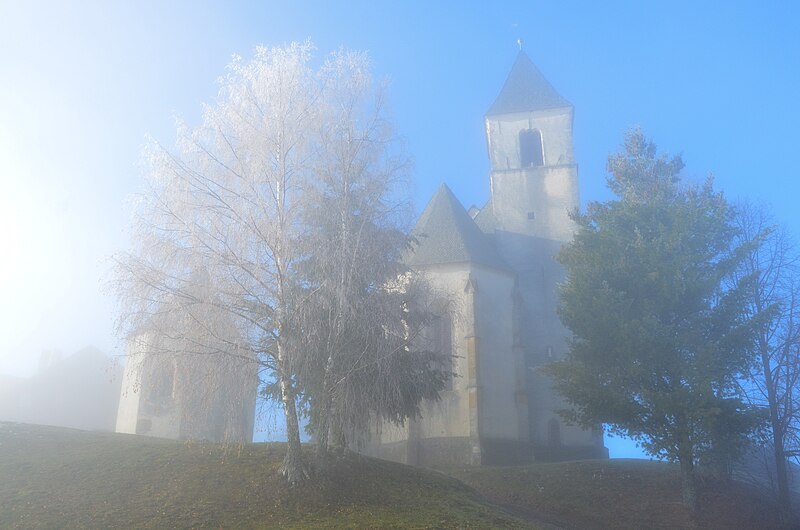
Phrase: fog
(83,84)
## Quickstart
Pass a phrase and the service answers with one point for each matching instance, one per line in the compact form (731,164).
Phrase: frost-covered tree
(226,202)
(284,197)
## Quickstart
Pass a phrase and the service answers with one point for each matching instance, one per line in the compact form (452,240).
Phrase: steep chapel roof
(485,218)
(446,234)
(526,90)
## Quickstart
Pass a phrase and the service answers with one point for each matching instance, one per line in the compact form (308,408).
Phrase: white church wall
(390,433)
(450,416)
(497,364)
(555,126)
(534,200)
(128,410)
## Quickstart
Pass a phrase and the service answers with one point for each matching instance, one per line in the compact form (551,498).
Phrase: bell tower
(534,178)
(534,183)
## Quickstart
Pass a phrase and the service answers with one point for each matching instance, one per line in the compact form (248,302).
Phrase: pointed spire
(526,90)
(445,233)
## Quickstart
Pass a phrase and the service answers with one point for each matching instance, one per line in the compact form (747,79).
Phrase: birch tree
(226,202)
(286,198)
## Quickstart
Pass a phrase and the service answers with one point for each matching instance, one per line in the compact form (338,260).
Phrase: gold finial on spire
(519,43)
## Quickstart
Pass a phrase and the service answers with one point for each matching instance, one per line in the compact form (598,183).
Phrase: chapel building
(497,266)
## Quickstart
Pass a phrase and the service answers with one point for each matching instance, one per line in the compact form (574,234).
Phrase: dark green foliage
(362,309)
(659,335)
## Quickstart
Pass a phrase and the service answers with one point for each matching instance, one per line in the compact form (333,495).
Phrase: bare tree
(774,307)
(227,203)
(283,203)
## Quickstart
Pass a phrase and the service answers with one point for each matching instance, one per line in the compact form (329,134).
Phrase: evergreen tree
(659,332)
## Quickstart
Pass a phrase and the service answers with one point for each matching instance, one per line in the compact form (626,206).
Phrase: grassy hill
(61,478)
(622,493)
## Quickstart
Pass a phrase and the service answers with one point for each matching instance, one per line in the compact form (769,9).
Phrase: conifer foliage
(659,332)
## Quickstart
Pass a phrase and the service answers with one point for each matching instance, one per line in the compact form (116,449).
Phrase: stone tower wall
(534,201)
(532,206)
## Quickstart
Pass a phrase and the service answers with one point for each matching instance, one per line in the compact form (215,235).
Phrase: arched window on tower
(531,153)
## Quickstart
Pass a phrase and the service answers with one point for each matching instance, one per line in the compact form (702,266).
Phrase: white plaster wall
(549,192)
(128,410)
(555,125)
(131,409)
(392,433)
(530,246)
(498,364)
(497,360)
(164,426)
(450,416)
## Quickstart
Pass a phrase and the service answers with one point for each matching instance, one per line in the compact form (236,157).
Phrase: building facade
(187,378)
(187,396)
(497,266)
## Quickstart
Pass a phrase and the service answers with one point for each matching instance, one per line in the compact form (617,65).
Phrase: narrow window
(554,432)
(442,342)
(158,386)
(530,148)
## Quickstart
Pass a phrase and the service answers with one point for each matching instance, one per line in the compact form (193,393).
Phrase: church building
(497,266)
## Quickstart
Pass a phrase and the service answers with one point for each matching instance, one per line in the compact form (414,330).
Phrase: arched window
(441,333)
(530,148)
(554,433)
(158,385)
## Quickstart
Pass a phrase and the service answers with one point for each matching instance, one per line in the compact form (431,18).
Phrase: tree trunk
(293,467)
(688,485)
(322,438)
(326,409)
(339,441)
(689,489)
(784,498)
(781,472)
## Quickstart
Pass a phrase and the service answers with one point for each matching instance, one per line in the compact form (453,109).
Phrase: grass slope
(61,478)
(619,494)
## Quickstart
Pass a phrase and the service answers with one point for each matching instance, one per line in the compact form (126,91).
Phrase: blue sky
(82,83)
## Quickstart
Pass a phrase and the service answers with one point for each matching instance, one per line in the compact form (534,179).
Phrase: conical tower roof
(445,233)
(526,90)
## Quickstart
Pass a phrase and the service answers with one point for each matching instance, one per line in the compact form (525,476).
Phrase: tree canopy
(287,202)
(659,332)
